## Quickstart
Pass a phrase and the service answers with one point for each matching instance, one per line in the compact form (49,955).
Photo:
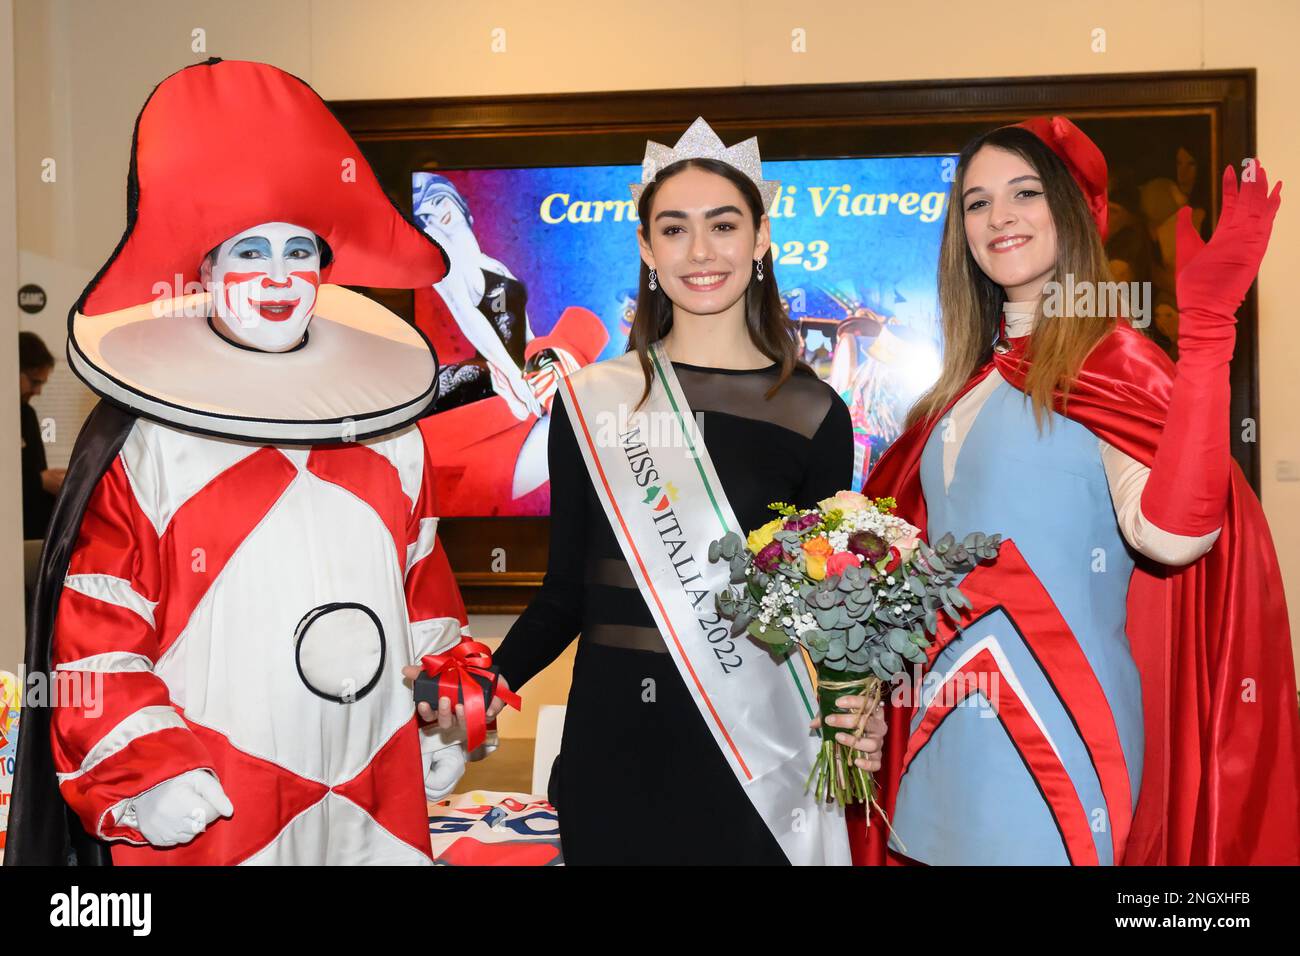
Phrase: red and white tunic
(249,609)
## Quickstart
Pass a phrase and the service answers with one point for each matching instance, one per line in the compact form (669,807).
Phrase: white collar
(1020,317)
(363,371)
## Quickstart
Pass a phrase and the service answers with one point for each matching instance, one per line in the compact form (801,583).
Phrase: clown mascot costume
(245,555)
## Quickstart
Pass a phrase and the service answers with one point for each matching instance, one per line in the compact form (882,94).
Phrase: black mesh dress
(639,778)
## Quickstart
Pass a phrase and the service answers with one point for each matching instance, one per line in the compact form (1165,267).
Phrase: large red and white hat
(220,147)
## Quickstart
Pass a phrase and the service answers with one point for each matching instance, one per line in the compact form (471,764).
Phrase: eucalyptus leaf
(897,640)
(880,671)
(816,639)
(856,637)
(827,618)
(915,654)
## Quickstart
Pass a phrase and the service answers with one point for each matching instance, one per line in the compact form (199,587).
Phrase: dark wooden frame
(793,122)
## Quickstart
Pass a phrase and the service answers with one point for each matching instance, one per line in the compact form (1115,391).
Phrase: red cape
(1221,770)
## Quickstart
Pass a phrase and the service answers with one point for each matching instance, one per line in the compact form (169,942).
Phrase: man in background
(40,483)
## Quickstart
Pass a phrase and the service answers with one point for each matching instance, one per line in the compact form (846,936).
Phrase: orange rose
(815,553)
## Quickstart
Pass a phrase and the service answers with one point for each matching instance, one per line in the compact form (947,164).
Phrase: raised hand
(1213,277)
(1187,489)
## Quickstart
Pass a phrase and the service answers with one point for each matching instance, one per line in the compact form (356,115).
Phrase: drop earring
(759,263)
(654,280)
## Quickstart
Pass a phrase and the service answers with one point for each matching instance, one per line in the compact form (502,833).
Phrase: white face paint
(263,283)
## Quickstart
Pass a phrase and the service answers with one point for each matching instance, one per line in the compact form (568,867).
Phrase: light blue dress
(983,782)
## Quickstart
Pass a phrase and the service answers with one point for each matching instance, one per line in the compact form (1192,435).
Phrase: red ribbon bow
(455,670)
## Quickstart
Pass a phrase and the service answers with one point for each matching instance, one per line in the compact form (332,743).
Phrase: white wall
(84,69)
(11,512)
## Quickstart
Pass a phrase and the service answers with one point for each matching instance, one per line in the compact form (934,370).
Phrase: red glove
(1187,490)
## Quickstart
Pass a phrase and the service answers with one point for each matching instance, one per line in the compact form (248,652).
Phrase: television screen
(543,280)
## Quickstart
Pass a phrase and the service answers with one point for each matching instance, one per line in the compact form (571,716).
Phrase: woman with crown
(245,555)
(680,744)
(1128,651)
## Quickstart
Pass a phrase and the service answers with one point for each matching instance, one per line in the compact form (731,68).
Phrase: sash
(665,504)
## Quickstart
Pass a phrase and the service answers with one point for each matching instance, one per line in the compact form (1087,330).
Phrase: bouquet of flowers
(854,585)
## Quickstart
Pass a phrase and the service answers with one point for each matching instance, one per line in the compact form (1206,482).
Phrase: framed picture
(529,196)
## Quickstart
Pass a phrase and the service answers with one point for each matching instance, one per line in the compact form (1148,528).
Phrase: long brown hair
(971,303)
(770,329)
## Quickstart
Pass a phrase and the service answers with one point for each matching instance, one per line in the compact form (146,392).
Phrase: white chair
(550,728)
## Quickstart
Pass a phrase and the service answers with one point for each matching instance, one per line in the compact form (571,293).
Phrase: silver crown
(700,142)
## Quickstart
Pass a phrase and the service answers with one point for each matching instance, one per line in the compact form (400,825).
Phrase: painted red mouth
(275,311)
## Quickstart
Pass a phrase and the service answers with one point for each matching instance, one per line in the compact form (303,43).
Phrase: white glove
(445,770)
(179,809)
(444,761)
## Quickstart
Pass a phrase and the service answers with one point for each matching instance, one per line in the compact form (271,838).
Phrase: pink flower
(768,559)
(846,501)
(838,562)
(907,546)
(908,543)
(802,522)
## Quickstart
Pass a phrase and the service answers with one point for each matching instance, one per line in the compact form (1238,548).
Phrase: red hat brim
(224,145)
